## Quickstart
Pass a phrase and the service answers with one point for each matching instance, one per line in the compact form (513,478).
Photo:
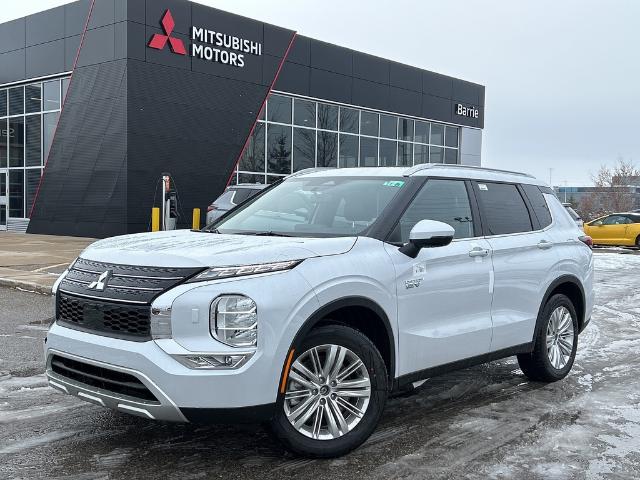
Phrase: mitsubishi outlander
(307,305)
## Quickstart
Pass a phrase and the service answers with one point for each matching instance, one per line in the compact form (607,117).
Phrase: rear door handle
(545,244)
(478,252)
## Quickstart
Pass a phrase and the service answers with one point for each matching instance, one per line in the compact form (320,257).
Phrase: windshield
(314,206)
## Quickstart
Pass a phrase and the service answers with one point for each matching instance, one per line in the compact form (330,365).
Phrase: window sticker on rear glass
(393,183)
(482,186)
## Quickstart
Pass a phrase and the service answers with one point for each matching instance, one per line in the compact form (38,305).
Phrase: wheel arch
(570,286)
(360,313)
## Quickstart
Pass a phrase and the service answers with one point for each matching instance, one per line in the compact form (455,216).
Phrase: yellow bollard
(155,219)
(196,219)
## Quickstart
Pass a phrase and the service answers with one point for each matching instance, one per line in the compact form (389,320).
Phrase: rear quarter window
(226,197)
(503,208)
(539,204)
(242,194)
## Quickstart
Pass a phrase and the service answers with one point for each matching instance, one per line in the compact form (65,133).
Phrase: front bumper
(182,394)
(163,409)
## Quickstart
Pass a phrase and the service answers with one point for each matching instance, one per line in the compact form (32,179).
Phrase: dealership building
(99,98)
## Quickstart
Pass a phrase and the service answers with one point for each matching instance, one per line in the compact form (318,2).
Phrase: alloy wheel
(328,392)
(560,336)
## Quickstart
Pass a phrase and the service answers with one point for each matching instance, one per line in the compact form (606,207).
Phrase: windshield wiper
(266,234)
(204,230)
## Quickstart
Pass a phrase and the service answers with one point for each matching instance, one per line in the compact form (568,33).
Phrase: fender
(337,304)
(559,281)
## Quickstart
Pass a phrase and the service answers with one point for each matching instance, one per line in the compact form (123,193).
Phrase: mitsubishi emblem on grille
(101,282)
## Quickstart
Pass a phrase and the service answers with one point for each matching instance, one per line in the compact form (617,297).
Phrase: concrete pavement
(32,262)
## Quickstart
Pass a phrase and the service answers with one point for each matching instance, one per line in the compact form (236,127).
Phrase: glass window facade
(28,117)
(294,134)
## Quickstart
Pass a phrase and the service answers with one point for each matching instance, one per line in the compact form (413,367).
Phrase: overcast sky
(562,77)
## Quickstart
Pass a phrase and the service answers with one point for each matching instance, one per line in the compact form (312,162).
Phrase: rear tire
(333,425)
(555,344)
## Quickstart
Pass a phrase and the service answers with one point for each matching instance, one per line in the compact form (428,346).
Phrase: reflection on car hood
(184,248)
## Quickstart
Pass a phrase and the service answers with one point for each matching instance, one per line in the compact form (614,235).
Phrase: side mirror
(427,234)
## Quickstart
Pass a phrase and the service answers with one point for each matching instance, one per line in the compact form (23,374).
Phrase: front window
(441,200)
(314,207)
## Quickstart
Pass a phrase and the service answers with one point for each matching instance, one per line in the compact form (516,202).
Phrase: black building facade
(98,98)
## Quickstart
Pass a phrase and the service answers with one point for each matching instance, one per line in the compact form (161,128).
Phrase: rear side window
(242,194)
(539,204)
(503,208)
(442,200)
(226,197)
(616,220)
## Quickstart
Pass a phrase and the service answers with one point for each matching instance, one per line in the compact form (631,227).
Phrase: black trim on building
(134,112)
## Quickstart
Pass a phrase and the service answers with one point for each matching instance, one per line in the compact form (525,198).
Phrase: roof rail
(427,166)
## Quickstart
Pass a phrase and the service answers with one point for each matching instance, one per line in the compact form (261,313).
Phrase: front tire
(334,396)
(556,342)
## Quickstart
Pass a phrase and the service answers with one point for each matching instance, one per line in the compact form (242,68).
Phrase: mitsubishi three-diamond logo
(206,44)
(101,282)
(158,41)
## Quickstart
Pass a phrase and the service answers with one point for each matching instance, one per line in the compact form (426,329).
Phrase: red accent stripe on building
(73,69)
(264,102)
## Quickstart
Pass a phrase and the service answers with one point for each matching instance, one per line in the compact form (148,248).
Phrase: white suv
(307,305)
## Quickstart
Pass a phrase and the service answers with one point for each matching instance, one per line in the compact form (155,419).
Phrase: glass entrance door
(3,199)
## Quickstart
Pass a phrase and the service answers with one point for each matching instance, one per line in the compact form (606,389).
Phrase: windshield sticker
(482,186)
(393,183)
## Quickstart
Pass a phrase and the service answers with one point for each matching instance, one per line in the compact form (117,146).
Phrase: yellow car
(620,229)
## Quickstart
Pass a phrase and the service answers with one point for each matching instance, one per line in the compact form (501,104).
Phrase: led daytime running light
(217,273)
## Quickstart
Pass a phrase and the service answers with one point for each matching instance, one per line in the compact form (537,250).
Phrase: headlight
(217,273)
(233,319)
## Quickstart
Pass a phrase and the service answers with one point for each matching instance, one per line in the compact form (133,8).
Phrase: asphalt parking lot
(486,422)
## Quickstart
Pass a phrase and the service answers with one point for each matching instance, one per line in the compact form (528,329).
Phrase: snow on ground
(587,426)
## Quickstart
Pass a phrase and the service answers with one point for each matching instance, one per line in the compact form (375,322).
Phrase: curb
(29,286)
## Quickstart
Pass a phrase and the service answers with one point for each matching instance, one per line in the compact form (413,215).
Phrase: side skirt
(409,378)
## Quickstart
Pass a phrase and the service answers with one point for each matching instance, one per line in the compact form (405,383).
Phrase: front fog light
(233,319)
(219,361)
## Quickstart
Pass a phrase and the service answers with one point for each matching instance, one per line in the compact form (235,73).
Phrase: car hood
(184,248)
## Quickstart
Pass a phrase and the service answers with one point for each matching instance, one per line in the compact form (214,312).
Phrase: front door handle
(478,252)
(545,244)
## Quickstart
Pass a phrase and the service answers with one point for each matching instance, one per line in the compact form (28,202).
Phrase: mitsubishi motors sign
(207,44)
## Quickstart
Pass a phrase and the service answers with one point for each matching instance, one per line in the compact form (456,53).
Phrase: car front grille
(123,283)
(112,299)
(120,383)
(131,322)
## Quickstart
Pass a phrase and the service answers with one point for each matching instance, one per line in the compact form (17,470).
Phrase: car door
(617,227)
(523,258)
(609,230)
(633,230)
(444,294)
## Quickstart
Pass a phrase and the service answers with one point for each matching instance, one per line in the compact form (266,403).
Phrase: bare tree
(612,192)
(588,207)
